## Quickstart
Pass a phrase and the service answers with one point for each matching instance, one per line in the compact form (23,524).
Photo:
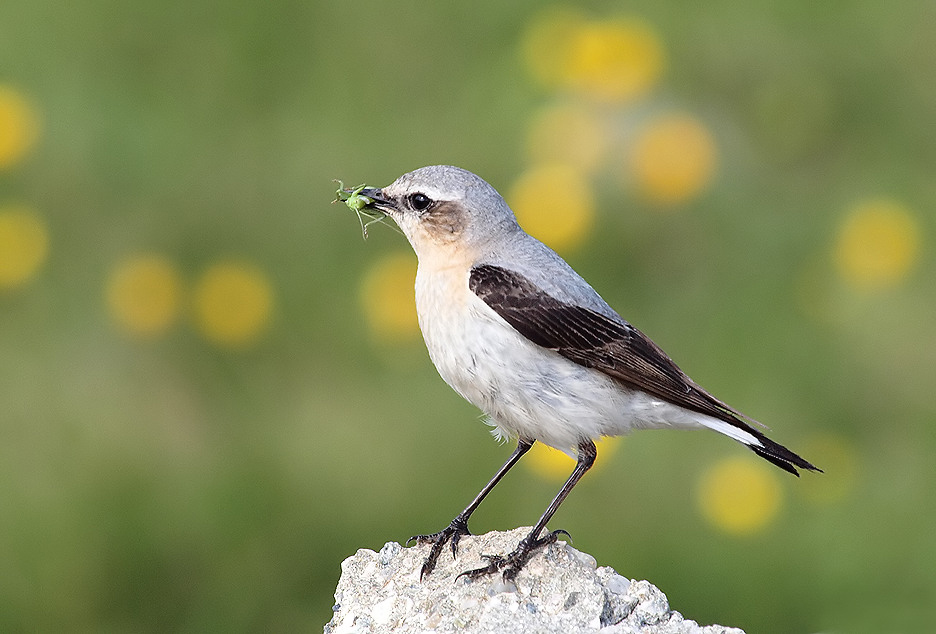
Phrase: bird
(514,330)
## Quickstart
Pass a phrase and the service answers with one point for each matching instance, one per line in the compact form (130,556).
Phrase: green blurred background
(211,390)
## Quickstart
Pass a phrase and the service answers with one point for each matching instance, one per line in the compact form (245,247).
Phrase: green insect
(351,196)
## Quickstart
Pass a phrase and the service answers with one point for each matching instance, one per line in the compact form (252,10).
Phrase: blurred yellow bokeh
(232,303)
(19,126)
(144,294)
(616,60)
(552,464)
(554,203)
(387,298)
(611,60)
(877,245)
(24,244)
(739,495)
(673,159)
(548,41)
(572,133)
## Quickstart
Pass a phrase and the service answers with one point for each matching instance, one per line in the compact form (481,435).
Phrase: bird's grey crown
(450,183)
(455,181)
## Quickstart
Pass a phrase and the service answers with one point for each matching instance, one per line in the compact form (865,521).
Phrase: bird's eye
(420,202)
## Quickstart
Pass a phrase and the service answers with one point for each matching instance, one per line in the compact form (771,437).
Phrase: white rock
(560,591)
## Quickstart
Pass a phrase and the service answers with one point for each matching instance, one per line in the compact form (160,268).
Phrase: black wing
(610,346)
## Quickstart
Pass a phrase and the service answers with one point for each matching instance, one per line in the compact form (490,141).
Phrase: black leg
(459,526)
(512,563)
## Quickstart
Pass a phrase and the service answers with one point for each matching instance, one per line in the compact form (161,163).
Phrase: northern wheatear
(514,330)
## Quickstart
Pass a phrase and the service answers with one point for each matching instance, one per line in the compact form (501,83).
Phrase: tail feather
(734,424)
(779,455)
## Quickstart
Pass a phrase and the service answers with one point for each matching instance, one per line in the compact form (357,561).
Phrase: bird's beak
(380,201)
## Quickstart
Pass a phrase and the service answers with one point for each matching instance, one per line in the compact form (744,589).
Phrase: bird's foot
(451,534)
(512,563)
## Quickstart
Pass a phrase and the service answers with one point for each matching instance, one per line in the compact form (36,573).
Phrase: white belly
(526,390)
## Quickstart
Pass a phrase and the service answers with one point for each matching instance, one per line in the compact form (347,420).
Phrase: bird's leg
(512,563)
(459,526)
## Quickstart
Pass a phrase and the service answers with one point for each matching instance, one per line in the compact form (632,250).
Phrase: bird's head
(443,210)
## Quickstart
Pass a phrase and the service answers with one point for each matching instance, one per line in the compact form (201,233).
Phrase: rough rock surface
(559,590)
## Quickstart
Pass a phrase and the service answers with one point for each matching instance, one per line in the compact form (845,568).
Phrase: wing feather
(611,346)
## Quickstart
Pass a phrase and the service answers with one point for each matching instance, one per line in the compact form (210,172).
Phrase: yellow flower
(739,495)
(569,133)
(387,298)
(673,159)
(19,126)
(877,245)
(233,302)
(552,464)
(24,244)
(615,60)
(548,42)
(554,203)
(144,294)
(612,60)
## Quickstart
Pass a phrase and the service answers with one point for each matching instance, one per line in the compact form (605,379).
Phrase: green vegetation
(212,391)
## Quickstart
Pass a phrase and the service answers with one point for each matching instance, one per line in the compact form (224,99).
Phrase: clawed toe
(452,534)
(512,564)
